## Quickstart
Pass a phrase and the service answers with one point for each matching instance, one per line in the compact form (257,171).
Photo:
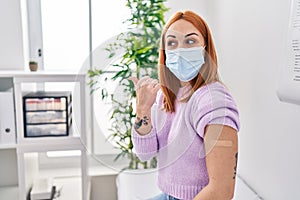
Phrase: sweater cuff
(144,143)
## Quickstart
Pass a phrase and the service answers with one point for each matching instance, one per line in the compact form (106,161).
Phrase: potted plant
(140,46)
(33,66)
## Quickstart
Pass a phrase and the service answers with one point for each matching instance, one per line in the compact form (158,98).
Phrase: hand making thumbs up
(146,89)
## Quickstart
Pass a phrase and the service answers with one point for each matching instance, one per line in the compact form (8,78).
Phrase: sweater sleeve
(146,146)
(214,105)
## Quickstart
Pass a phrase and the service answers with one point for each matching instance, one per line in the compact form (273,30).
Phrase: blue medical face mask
(185,63)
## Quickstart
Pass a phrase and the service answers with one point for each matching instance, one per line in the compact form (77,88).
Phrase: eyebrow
(187,35)
(173,36)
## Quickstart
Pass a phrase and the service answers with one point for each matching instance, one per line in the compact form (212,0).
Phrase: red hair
(170,84)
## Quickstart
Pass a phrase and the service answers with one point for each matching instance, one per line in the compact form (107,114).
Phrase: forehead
(182,27)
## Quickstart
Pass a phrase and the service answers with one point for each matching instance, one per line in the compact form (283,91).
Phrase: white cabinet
(7,118)
(28,148)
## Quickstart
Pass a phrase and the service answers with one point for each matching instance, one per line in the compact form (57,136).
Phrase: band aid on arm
(223,143)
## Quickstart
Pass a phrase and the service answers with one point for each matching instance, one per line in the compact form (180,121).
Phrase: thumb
(134,80)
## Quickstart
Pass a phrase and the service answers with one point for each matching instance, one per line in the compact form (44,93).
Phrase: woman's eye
(171,43)
(190,41)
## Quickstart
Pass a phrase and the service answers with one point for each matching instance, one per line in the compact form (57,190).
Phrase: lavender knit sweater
(177,138)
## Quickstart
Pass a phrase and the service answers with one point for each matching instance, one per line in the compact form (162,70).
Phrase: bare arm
(143,124)
(221,145)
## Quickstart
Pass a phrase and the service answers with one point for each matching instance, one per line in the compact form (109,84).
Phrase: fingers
(138,83)
(134,80)
(144,81)
(148,82)
(153,81)
(156,87)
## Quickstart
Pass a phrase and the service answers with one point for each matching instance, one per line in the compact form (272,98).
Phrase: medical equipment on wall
(289,88)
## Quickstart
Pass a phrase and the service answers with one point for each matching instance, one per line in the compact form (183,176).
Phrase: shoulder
(210,93)
(213,104)
(211,97)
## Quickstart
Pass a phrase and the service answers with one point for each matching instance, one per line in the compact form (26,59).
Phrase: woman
(189,120)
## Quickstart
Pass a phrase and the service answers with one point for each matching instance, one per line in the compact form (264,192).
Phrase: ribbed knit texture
(177,139)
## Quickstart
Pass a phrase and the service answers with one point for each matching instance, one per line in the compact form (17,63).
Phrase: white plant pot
(139,184)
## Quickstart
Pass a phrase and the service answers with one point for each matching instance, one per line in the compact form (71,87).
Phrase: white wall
(250,38)
(11,43)
(199,7)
